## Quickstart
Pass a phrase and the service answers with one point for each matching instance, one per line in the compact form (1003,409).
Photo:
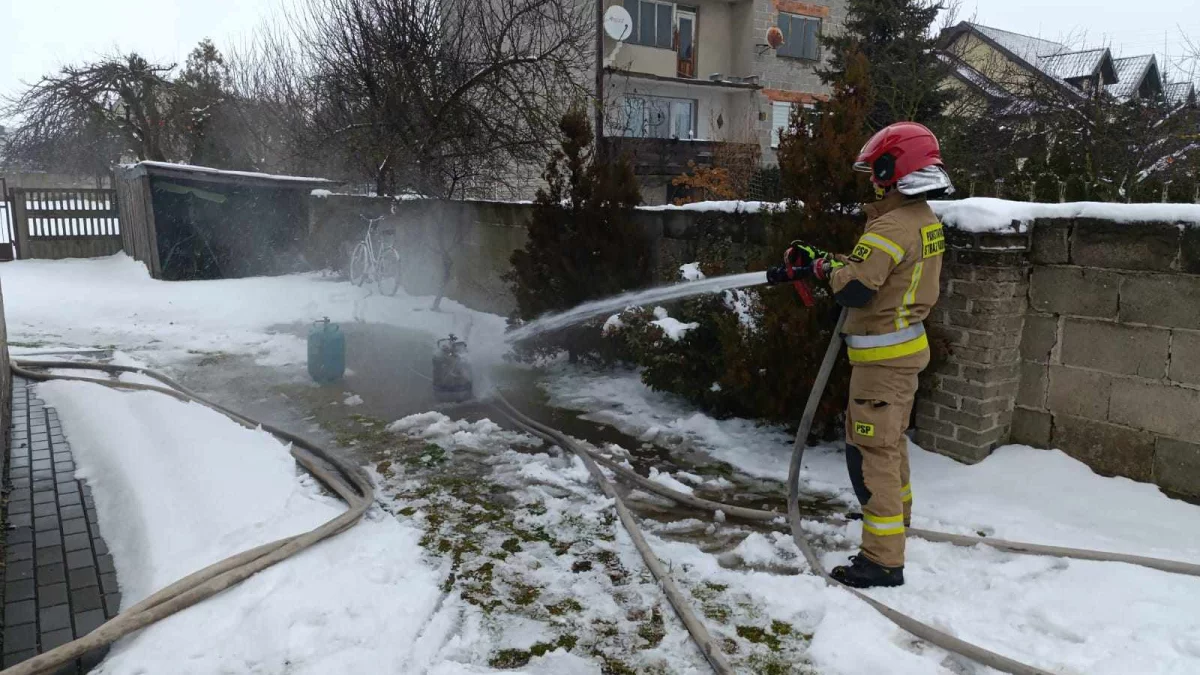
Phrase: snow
(223,172)
(666,479)
(673,328)
(720,206)
(113,301)
(744,303)
(612,325)
(986,214)
(1062,615)
(188,487)
(181,487)
(622,401)
(446,433)
(1016,493)
(691,272)
(321,193)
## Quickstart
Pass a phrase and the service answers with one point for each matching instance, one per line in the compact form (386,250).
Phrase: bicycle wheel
(358,264)
(387,271)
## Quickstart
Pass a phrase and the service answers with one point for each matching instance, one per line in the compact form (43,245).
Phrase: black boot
(863,572)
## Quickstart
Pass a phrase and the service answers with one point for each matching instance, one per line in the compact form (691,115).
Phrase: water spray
(598,308)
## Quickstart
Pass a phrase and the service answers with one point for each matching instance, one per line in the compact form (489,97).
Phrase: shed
(194,222)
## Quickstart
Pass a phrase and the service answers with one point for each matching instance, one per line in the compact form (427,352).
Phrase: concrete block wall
(1083,336)
(1110,356)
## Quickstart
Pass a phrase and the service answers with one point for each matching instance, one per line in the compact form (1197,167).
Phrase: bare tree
(118,98)
(438,98)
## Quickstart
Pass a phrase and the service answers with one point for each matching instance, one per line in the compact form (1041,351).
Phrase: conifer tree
(583,242)
(897,39)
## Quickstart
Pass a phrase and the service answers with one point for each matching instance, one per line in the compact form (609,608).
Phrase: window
(659,117)
(801,36)
(653,23)
(781,116)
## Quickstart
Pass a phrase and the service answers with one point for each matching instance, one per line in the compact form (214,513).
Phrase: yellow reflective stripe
(910,296)
(883,525)
(896,251)
(906,493)
(872,354)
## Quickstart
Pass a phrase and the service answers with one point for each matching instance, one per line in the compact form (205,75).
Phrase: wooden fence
(65,223)
(6,231)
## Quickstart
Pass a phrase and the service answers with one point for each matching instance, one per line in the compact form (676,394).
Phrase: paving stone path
(59,580)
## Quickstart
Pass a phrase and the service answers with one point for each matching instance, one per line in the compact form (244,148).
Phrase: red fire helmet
(898,150)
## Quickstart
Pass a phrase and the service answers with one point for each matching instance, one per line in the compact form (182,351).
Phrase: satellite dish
(775,37)
(618,25)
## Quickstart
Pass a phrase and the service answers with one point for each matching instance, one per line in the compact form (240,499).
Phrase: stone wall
(468,241)
(965,408)
(1084,336)
(477,239)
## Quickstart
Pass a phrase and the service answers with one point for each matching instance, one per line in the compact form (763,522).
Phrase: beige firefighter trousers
(881,400)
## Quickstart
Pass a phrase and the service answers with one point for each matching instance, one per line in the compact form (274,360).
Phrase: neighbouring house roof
(1178,93)
(209,175)
(1057,63)
(1025,47)
(1131,72)
(1073,65)
(973,77)
(1023,50)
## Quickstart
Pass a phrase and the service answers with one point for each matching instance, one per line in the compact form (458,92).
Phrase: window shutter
(781,114)
(645,34)
(631,6)
(812,47)
(666,27)
(785,27)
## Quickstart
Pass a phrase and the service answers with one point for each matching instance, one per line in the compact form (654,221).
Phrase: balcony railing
(670,157)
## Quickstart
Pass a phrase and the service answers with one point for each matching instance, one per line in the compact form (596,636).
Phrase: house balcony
(669,157)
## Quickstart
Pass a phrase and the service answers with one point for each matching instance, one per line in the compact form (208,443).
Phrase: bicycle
(382,265)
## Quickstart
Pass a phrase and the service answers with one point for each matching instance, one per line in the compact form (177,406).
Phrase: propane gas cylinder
(326,352)
(451,370)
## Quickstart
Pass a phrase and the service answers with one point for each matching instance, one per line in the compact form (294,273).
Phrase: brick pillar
(965,406)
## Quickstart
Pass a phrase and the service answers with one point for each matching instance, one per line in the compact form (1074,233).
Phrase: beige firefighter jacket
(899,256)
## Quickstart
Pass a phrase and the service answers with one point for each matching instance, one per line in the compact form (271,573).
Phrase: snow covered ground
(542,574)
(179,487)
(1065,616)
(113,301)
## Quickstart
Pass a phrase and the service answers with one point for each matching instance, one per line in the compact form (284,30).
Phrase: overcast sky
(37,36)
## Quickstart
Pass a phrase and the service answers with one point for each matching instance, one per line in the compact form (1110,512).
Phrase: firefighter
(889,282)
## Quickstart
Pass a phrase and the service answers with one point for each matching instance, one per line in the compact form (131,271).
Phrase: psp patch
(865,430)
(933,240)
(860,253)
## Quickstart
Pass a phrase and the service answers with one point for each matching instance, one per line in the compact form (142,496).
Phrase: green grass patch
(759,636)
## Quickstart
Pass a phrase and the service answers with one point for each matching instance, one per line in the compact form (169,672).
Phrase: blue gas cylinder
(326,352)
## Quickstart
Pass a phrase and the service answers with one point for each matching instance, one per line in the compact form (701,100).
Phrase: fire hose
(354,487)
(920,629)
(345,479)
